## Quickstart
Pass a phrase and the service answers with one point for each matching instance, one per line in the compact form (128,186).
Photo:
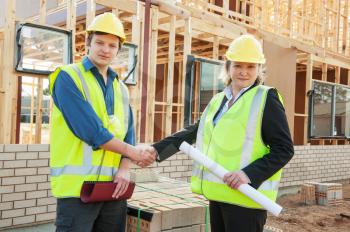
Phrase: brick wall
(25,196)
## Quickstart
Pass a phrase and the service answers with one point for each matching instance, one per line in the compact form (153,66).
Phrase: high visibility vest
(72,161)
(234,142)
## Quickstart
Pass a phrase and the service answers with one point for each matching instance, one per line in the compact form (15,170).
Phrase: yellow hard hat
(108,23)
(246,48)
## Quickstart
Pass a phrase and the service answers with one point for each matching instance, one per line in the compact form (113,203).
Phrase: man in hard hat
(244,129)
(92,135)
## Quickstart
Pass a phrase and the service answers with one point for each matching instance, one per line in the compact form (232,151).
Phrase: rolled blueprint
(219,171)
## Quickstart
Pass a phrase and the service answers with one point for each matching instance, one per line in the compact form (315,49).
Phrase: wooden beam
(124,5)
(309,69)
(324,71)
(187,51)
(152,75)
(71,21)
(170,79)
(337,74)
(8,116)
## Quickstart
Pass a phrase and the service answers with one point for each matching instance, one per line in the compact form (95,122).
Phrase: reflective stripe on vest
(253,119)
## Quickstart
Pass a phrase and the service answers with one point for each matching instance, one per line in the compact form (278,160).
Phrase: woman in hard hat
(245,130)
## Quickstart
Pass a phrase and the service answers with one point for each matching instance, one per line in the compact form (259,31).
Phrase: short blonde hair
(227,78)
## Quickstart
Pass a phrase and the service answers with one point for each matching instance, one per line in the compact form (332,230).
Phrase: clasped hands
(144,155)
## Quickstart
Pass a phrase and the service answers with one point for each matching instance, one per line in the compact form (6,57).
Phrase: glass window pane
(322,117)
(342,111)
(210,82)
(42,49)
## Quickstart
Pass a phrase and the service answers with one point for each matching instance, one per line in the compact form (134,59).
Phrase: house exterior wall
(25,196)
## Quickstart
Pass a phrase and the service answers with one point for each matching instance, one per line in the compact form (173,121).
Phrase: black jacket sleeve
(170,145)
(275,134)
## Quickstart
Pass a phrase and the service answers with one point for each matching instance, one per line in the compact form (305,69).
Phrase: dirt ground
(297,217)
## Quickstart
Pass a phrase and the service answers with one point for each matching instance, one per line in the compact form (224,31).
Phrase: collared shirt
(79,114)
(229,97)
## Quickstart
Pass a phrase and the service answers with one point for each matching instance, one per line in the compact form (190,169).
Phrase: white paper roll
(219,171)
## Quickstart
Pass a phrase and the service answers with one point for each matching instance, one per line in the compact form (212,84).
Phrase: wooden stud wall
(205,28)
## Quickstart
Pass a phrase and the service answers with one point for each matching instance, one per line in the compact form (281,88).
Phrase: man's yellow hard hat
(246,48)
(108,23)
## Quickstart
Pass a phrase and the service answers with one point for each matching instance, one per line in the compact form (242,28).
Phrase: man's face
(103,49)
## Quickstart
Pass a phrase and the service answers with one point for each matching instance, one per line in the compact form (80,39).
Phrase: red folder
(97,191)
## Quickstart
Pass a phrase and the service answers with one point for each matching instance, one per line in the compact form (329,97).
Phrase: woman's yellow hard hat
(246,48)
(108,23)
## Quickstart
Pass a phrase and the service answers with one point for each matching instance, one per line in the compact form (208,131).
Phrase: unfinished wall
(25,196)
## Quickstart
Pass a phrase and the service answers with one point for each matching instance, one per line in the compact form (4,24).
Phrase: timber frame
(316,31)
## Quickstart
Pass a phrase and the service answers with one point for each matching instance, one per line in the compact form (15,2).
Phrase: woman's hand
(235,179)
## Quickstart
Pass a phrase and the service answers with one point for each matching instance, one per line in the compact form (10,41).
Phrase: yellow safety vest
(72,161)
(234,143)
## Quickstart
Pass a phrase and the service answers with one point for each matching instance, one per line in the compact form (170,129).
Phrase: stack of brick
(308,195)
(329,193)
(167,205)
(324,193)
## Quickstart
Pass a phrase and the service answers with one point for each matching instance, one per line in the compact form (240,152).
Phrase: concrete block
(13,197)
(7,156)
(24,204)
(15,147)
(38,147)
(5,223)
(36,194)
(25,187)
(13,180)
(7,172)
(26,155)
(25,171)
(15,164)
(36,179)
(38,163)
(36,210)
(42,186)
(46,201)
(45,217)
(44,155)
(12,213)
(6,206)
(23,220)
(44,170)
(51,208)
(2,147)
(6,189)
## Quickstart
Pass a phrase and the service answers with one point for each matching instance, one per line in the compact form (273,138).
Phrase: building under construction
(172,63)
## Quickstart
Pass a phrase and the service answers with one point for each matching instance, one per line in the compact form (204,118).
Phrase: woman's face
(243,74)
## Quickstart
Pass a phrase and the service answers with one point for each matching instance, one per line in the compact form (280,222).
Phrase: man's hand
(235,179)
(122,178)
(148,154)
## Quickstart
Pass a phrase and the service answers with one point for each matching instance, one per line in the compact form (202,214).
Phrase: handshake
(143,155)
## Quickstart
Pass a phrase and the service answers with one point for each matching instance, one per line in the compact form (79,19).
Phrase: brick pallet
(167,205)
(308,196)
(327,193)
